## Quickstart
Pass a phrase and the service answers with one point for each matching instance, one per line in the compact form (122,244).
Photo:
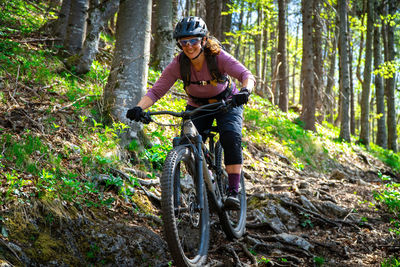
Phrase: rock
(304,185)
(271,216)
(186,183)
(331,209)
(308,204)
(338,175)
(288,218)
(294,240)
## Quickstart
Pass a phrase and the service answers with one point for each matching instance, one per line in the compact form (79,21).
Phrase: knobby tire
(187,234)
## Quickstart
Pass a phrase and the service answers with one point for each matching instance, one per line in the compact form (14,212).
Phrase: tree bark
(381,135)
(353,120)
(318,64)
(366,86)
(344,72)
(226,25)
(60,29)
(128,77)
(164,44)
(390,84)
(76,29)
(329,97)
(283,79)
(258,52)
(201,9)
(295,65)
(99,15)
(264,51)
(308,110)
(274,66)
(213,17)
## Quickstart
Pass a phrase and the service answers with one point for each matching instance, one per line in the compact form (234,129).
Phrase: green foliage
(387,156)
(391,262)
(319,261)
(15,12)
(388,69)
(270,127)
(263,259)
(390,196)
(21,152)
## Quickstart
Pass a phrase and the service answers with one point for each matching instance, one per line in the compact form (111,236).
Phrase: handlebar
(190,113)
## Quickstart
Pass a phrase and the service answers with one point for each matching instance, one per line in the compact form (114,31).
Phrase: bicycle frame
(189,131)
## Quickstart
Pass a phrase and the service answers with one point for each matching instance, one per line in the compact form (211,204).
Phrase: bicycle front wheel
(186,227)
(233,222)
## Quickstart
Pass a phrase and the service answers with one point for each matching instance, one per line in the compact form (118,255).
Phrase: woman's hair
(212,46)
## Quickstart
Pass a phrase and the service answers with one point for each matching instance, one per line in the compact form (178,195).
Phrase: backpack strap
(213,69)
(184,65)
(217,77)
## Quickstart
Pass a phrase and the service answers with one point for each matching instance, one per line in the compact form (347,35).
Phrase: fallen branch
(36,40)
(70,104)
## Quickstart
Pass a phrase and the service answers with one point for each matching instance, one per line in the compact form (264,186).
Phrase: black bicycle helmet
(190,26)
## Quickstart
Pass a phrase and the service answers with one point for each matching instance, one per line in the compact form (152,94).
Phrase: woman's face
(191,46)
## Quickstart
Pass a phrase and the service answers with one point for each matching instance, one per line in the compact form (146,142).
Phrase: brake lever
(146,118)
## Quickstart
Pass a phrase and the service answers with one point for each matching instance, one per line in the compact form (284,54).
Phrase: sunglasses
(192,42)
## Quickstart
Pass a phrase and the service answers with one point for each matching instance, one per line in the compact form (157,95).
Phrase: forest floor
(295,218)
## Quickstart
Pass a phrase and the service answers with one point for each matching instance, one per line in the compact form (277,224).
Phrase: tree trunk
(187,8)
(226,25)
(240,26)
(201,9)
(213,17)
(283,79)
(366,86)
(274,67)
(264,51)
(318,64)
(76,29)
(164,43)
(60,29)
(308,110)
(329,97)
(390,84)
(128,76)
(295,65)
(344,72)
(381,135)
(99,15)
(258,52)
(352,95)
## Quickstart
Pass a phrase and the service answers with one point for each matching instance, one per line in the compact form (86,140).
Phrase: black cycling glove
(137,114)
(241,98)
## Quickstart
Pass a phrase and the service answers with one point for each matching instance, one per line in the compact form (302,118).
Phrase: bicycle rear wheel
(186,227)
(233,222)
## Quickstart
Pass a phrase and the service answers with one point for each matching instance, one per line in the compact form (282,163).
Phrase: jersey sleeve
(231,66)
(167,79)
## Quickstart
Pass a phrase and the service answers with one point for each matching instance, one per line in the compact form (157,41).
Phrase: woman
(201,54)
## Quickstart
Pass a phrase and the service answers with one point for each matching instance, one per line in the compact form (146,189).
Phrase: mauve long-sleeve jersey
(227,64)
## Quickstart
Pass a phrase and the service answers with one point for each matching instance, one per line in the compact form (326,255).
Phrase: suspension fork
(199,170)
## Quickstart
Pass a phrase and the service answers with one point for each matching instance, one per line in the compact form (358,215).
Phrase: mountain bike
(193,181)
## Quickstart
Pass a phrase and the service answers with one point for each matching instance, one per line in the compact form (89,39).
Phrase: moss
(45,248)
(255,203)
(143,203)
